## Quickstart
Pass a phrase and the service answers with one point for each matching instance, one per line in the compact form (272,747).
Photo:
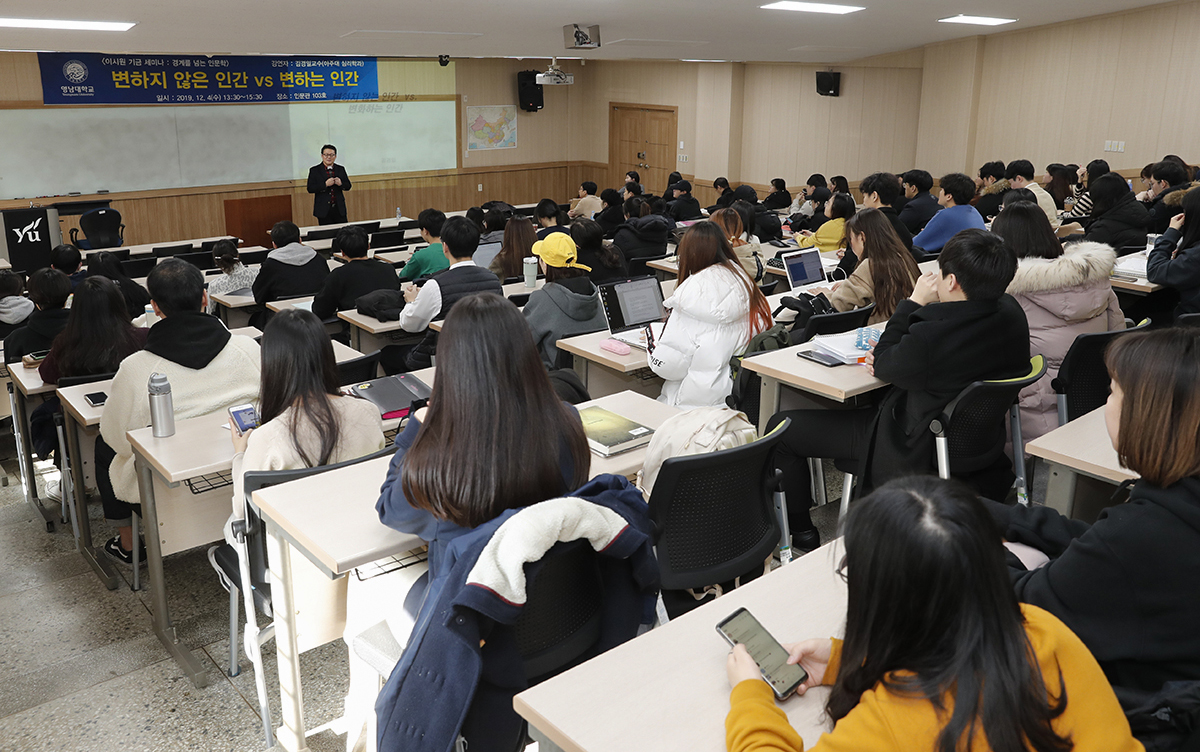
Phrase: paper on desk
(1134,264)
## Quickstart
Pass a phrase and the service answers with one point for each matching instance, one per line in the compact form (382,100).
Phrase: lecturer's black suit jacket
(316,184)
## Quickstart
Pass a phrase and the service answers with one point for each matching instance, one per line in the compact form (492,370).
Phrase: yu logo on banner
(29,233)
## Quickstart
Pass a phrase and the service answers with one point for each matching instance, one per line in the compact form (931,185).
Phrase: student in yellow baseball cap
(567,305)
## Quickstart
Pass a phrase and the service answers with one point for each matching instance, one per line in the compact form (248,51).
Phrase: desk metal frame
(85,544)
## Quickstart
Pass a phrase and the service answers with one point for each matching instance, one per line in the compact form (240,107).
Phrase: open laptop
(804,268)
(629,306)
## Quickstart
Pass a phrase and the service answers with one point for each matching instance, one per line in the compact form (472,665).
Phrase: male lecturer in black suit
(328,181)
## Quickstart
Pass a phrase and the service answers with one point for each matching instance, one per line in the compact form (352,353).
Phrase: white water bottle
(531,270)
(162,408)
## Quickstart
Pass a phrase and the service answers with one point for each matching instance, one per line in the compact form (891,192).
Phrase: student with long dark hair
(886,271)
(105,264)
(831,235)
(1126,585)
(97,337)
(642,235)
(1175,260)
(715,311)
(1117,218)
(606,262)
(519,238)
(470,454)
(550,218)
(839,184)
(1082,192)
(938,655)
(748,252)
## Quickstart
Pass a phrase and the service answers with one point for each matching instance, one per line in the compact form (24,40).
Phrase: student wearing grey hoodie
(292,270)
(14,307)
(568,304)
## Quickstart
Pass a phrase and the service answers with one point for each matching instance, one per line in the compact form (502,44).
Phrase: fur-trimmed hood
(1000,186)
(1175,197)
(1080,264)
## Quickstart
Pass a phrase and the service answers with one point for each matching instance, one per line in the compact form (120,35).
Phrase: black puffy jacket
(643,237)
(1121,226)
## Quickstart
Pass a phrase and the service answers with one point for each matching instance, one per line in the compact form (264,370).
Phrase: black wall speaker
(529,91)
(829,84)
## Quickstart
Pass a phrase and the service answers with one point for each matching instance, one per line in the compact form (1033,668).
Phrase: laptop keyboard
(775,262)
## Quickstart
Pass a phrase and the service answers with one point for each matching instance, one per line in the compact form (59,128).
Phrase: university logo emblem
(75,71)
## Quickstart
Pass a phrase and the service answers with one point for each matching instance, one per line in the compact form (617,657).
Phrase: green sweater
(425,261)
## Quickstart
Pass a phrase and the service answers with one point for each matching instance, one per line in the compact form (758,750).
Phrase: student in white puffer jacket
(714,312)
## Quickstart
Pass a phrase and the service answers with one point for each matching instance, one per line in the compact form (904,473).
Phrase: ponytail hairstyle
(731,222)
(635,207)
(225,254)
(704,245)
(589,237)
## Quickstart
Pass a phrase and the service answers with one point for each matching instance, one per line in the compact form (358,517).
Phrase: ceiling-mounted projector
(554,76)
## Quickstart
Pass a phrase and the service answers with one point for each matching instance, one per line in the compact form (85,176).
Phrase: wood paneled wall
(949,103)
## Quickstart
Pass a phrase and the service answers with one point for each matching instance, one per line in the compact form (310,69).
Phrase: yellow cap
(558,250)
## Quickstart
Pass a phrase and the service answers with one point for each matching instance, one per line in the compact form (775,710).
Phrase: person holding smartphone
(969,667)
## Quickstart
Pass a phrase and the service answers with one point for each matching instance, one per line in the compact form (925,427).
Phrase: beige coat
(857,291)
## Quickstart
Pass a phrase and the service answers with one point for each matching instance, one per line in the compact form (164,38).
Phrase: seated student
(714,312)
(105,264)
(475,214)
(234,274)
(629,190)
(683,207)
(1167,179)
(1175,259)
(611,216)
(632,178)
(209,370)
(957,327)
(1124,585)
(830,236)
(588,204)
(357,277)
(967,667)
(1118,219)
(749,254)
(839,184)
(48,290)
(494,223)
(779,197)
(568,304)
(550,218)
(956,190)
(804,203)
(642,235)
(291,270)
(1019,174)
(920,205)
(15,308)
(1144,196)
(430,259)
(815,203)
(67,259)
(519,238)
(1016,196)
(1081,196)
(885,272)
(97,337)
(1060,181)
(470,455)
(434,299)
(881,190)
(604,259)
(992,187)
(1063,294)
(724,194)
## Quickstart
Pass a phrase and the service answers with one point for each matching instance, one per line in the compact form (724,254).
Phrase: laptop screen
(632,303)
(803,267)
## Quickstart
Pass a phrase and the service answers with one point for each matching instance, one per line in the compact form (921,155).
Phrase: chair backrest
(208,245)
(102,227)
(253,257)
(139,267)
(200,259)
(1082,377)
(322,234)
(122,254)
(358,370)
(974,422)
(638,268)
(560,623)
(714,513)
(367,227)
(163,251)
(519,299)
(387,238)
(834,323)
(67,381)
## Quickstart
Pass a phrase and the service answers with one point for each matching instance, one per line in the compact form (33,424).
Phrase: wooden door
(642,138)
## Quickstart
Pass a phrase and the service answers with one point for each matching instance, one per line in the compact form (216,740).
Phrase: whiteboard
(59,150)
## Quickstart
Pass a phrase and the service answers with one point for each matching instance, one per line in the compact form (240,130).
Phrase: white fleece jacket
(709,324)
(229,379)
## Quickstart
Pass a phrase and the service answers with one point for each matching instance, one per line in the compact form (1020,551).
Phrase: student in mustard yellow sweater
(830,236)
(936,648)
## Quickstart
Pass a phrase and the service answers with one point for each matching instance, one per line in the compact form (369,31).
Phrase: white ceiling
(662,29)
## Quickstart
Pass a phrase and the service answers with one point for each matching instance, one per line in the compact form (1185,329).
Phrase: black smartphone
(96,399)
(741,628)
(819,357)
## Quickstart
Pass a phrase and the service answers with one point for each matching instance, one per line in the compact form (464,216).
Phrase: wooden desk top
(588,346)
(668,687)
(74,403)
(331,517)
(147,249)
(342,353)
(519,288)
(247,331)
(283,305)
(200,446)
(645,410)
(1082,445)
(839,383)
(1138,285)
(395,257)
(384,224)
(28,380)
(233,301)
(368,324)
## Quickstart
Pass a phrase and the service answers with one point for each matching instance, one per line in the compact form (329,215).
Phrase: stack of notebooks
(393,395)
(1133,265)
(609,433)
(845,347)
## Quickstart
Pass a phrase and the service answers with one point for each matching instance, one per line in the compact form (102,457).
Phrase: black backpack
(746,383)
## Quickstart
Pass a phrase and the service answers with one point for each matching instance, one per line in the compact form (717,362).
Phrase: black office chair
(200,259)
(638,266)
(253,257)
(1082,384)
(66,483)
(358,370)
(718,516)
(387,238)
(209,245)
(833,323)
(102,228)
(122,254)
(164,251)
(519,299)
(139,267)
(249,576)
(560,624)
(322,234)
(368,227)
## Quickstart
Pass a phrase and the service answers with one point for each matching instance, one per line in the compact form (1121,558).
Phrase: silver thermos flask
(162,409)
(531,270)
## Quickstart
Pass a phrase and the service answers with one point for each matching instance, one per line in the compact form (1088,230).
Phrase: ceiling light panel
(977,20)
(50,23)
(813,7)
